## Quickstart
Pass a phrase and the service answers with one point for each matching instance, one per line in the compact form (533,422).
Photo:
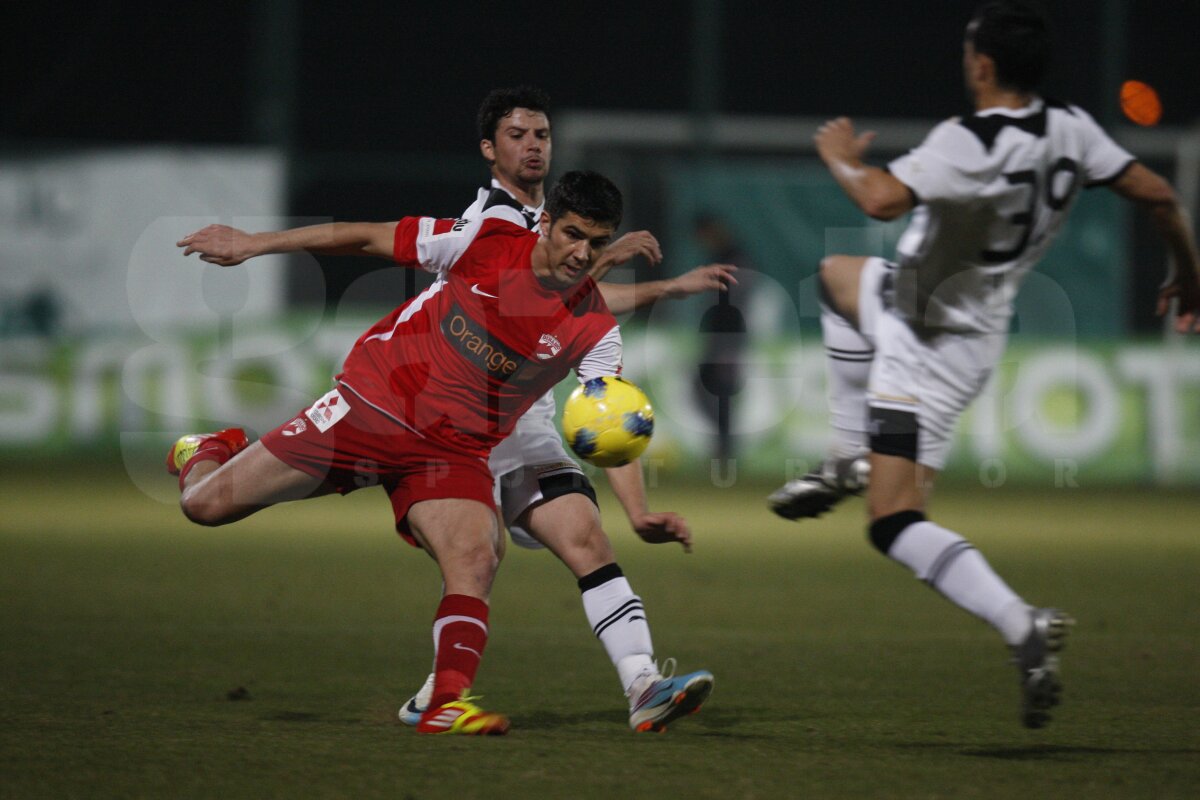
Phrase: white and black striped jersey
(496,201)
(992,191)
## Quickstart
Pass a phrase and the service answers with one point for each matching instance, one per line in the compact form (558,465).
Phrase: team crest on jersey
(548,347)
(327,411)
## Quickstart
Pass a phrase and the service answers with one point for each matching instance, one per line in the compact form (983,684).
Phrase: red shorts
(350,445)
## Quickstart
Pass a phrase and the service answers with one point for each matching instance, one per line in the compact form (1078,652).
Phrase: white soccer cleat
(418,704)
(1037,665)
(665,699)
(813,494)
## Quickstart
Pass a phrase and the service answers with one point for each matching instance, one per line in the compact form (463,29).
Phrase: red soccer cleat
(231,440)
(462,717)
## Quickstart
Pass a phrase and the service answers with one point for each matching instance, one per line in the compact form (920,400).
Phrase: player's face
(572,245)
(521,152)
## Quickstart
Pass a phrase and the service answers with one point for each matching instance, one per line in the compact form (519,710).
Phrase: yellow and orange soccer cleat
(234,439)
(462,717)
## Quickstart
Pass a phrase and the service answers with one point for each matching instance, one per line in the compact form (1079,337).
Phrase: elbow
(886,205)
(882,209)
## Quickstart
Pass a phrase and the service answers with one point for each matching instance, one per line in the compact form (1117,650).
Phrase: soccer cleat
(669,698)
(462,717)
(410,712)
(183,449)
(813,494)
(1037,664)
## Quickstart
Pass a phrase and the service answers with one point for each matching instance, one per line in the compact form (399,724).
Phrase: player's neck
(528,196)
(997,97)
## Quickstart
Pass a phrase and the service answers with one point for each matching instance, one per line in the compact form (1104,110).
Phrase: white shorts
(874,282)
(532,466)
(920,385)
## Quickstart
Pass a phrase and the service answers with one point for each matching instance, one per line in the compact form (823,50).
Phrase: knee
(482,559)
(202,510)
(826,272)
(828,266)
(884,531)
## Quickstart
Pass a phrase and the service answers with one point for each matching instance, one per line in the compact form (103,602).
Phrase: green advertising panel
(1057,412)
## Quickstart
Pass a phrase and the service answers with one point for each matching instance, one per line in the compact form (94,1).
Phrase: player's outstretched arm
(625,297)
(635,243)
(1152,192)
(227,247)
(879,194)
(653,527)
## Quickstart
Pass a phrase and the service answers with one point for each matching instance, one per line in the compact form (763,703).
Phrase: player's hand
(837,142)
(218,244)
(663,526)
(635,243)
(703,279)
(1186,290)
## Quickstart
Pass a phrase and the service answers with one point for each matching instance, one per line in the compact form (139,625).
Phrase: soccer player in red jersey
(426,393)
(544,498)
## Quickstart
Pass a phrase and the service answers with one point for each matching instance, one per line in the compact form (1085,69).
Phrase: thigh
(250,481)
(530,487)
(569,526)
(919,388)
(875,287)
(428,472)
(841,278)
(461,536)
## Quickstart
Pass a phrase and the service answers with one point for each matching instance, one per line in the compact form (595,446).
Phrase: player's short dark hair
(500,103)
(588,194)
(1017,37)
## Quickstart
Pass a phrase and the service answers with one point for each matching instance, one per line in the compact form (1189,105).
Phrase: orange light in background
(1140,103)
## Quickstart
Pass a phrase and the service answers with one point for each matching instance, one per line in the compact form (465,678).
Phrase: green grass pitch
(144,656)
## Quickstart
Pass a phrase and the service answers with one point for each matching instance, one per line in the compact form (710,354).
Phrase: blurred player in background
(545,498)
(911,342)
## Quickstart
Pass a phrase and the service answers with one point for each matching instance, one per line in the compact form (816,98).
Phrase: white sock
(952,566)
(618,619)
(848,357)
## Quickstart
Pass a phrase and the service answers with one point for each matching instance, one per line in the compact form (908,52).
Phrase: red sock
(459,634)
(212,450)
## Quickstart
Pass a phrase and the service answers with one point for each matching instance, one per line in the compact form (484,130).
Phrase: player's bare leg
(569,526)
(849,353)
(461,536)
(841,278)
(215,493)
(896,502)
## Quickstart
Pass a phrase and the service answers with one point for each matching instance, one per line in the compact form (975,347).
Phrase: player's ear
(985,69)
(544,223)
(488,149)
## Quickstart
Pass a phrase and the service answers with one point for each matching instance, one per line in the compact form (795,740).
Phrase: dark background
(389,77)
(376,101)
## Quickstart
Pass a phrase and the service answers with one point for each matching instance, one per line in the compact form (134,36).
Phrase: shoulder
(1071,116)
(476,208)
(586,299)
(499,228)
(955,139)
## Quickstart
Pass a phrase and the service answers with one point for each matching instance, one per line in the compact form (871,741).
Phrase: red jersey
(463,360)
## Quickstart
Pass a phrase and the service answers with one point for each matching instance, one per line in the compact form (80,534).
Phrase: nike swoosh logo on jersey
(476,290)
(461,646)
